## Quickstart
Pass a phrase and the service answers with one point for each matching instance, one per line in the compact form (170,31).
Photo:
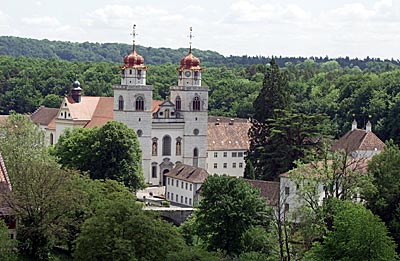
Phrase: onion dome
(133,60)
(190,62)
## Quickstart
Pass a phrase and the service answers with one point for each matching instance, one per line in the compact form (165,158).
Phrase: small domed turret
(76,91)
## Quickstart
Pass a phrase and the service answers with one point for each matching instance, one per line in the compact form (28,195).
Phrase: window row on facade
(170,197)
(225,165)
(139,103)
(234,154)
(184,185)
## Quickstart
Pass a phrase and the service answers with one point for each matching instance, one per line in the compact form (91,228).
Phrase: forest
(343,93)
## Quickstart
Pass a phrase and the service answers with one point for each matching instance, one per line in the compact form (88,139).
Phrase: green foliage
(52,101)
(357,235)
(228,208)
(7,245)
(109,152)
(193,254)
(121,230)
(384,201)
(39,195)
(249,170)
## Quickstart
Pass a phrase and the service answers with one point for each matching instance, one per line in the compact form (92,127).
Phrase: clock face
(187,73)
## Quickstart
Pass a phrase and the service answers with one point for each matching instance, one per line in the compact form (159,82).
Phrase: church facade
(171,131)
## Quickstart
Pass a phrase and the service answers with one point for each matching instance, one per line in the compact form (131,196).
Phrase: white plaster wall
(229,160)
(180,191)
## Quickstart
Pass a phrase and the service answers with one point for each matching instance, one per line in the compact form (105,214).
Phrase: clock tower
(191,103)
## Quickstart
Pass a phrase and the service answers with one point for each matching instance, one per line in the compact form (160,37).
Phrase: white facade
(226,162)
(170,132)
(181,191)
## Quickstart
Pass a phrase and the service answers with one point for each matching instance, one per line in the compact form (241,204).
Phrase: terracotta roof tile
(103,113)
(188,173)
(228,134)
(268,190)
(44,116)
(358,140)
(84,109)
(156,105)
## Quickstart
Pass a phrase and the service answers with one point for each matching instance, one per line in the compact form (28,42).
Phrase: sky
(336,28)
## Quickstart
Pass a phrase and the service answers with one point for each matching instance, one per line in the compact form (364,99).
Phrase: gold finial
(191,36)
(134,37)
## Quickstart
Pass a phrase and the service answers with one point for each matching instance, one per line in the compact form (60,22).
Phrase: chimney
(368,127)
(231,121)
(76,92)
(354,125)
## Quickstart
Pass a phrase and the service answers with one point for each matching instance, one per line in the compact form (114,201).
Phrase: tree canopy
(228,208)
(109,152)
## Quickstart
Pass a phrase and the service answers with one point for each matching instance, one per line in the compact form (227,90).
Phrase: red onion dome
(133,59)
(190,62)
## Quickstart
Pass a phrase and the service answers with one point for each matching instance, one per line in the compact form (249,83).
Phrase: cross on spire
(134,37)
(190,39)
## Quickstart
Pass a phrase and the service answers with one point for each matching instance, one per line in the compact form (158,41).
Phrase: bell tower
(133,102)
(191,102)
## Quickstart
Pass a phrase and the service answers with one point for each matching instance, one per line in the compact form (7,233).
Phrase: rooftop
(268,190)
(358,139)
(188,173)
(228,133)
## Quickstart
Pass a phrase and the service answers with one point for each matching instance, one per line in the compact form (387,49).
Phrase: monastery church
(176,130)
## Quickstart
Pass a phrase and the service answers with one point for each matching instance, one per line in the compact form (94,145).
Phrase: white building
(228,142)
(184,183)
(360,145)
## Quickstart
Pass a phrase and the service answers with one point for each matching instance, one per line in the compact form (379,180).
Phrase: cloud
(250,12)
(353,11)
(46,21)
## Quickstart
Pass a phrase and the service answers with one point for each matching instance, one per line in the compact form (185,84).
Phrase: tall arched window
(196,103)
(139,103)
(51,139)
(166,146)
(121,103)
(178,103)
(195,157)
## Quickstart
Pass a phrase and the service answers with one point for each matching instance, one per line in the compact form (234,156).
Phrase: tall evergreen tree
(273,96)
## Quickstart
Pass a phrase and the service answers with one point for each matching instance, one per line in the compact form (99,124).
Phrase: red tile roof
(44,116)
(228,133)
(358,140)
(268,190)
(188,173)
(103,113)
(155,105)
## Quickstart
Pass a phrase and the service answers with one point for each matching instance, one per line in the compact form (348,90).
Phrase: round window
(139,133)
(196,132)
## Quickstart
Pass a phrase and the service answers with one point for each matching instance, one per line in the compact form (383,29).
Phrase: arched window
(167,113)
(178,103)
(166,146)
(196,103)
(51,139)
(139,103)
(195,157)
(121,103)
(178,146)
